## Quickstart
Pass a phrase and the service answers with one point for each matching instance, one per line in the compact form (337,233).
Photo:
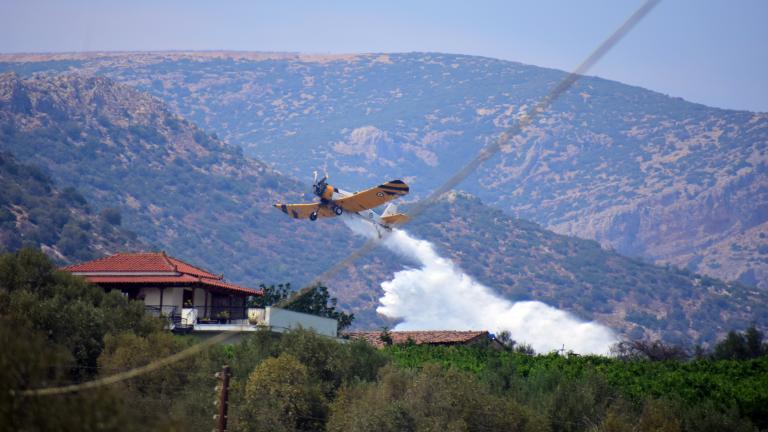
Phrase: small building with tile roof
(168,285)
(427,337)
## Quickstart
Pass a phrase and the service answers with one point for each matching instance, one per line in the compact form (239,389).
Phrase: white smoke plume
(438,295)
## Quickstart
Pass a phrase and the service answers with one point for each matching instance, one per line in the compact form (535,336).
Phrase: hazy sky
(713,52)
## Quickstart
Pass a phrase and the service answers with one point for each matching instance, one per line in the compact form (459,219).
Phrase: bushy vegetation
(34,212)
(431,398)
(53,328)
(574,392)
(57,329)
(177,194)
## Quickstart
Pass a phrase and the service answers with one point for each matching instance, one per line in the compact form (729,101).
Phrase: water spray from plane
(438,295)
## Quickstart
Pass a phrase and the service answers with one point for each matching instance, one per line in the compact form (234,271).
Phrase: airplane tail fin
(389,210)
(395,219)
(390,216)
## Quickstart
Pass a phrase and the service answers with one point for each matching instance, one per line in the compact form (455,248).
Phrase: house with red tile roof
(169,286)
(428,337)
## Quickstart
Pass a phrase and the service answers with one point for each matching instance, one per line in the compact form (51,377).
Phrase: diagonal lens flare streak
(123,376)
(484,154)
(489,151)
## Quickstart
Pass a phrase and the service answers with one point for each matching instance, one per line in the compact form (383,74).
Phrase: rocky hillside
(34,212)
(525,261)
(638,171)
(179,188)
(202,200)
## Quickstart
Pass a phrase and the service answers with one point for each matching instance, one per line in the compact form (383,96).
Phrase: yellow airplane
(334,202)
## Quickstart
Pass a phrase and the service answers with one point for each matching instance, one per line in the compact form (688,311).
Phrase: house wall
(281,320)
(151,296)
(171,296)
(200,303)
(200,297)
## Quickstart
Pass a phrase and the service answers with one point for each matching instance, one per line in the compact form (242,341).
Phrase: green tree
(281,395)
(431,399)
(175,397)
(741,346)
(28,360)
(52,330)
(315,301)
(273,294)
(71,312)
(331,362)
(386,336)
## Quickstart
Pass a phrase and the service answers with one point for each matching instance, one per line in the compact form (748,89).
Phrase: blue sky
(709,51)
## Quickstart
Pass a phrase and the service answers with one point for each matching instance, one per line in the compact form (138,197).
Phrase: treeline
(56,330)
(604,393)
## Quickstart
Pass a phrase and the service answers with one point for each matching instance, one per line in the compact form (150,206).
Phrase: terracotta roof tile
(429,337)
(127,262)
(184,267)
(181,279)
(137,268)
(229,286)
(142,279)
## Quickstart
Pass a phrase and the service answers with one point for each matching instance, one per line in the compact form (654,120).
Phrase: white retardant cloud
(438,295)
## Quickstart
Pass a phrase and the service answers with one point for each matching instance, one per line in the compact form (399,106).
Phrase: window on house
(188,300)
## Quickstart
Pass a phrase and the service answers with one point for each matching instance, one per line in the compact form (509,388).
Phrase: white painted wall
(281,320)
(151,296)
(199,298)
(171,296)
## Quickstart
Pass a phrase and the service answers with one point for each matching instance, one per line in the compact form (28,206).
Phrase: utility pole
(223,402)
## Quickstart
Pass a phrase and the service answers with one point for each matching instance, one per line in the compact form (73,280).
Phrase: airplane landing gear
(338,210)
(313,216)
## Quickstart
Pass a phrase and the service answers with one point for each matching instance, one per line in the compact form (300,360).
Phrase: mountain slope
(524,261)
(201,200)
(638,171)
(177,187)
(35,213)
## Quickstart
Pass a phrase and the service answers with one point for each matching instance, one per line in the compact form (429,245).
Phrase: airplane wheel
(313,216)
(338,210)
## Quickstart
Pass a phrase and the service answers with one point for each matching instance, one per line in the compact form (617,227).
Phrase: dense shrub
(433,398)
(580,390)
(282,395)
(56,329)
(52,330)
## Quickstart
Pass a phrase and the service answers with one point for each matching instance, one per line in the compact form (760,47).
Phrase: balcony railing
(188,316)
(169,313)
(238,319)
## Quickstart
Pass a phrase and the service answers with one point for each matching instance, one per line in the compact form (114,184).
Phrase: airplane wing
(373,197)
(302,211)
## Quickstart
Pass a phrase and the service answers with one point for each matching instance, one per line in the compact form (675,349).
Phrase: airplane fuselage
(336,202)
(368,215)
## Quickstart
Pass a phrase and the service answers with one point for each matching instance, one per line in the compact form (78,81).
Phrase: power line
(484,154)
(489,151)
(113,379)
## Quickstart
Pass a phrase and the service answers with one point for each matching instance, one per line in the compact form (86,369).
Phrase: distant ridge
(646,174)
(202,200)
